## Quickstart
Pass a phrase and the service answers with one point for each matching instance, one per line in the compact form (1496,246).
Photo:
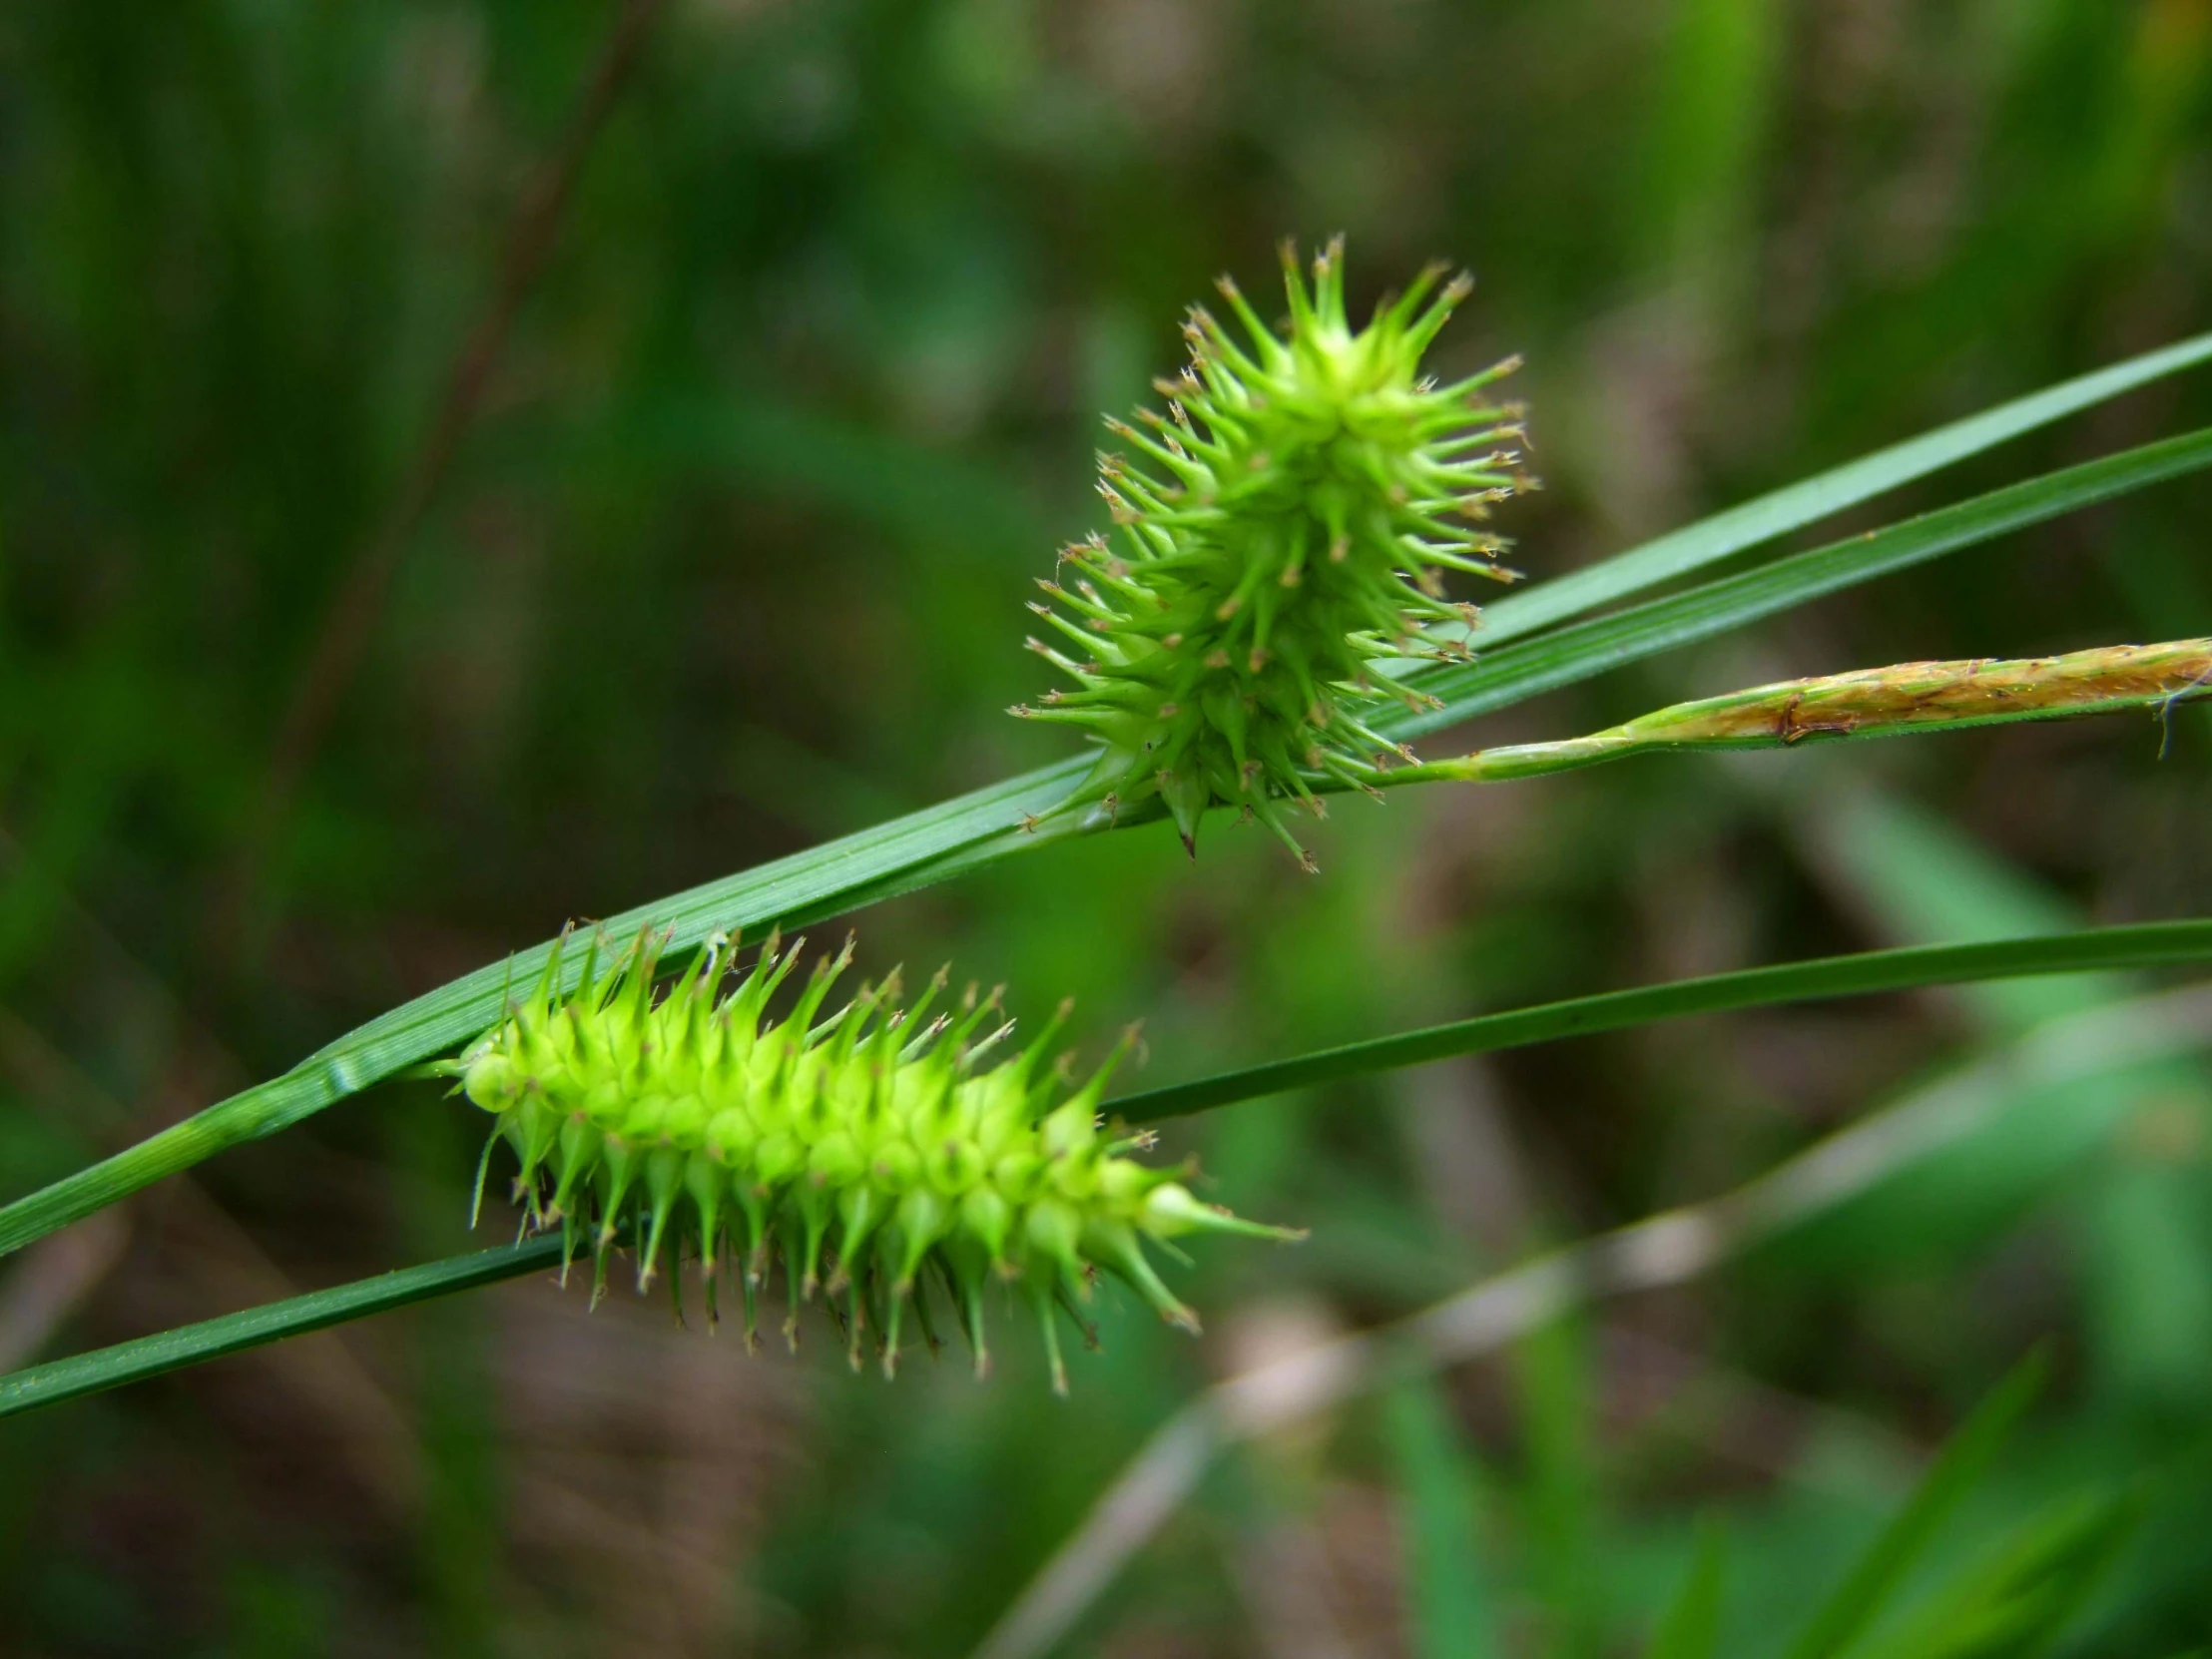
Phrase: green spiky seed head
(879,1154)
(1288,521)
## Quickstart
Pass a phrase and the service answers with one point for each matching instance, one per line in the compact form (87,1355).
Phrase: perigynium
(1289,521)
(876,1151)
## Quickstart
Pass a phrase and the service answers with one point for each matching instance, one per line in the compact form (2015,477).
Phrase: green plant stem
(2150,944)
(1869,703)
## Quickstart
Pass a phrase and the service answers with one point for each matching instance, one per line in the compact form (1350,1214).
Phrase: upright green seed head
(1289,520)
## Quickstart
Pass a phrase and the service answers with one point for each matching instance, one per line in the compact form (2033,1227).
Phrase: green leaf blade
(2017,1600)
(1443,1549)
(1866,1590)
(191,1345)
(2140,945)
(1501,678)
(2145,945)
(1690,1628)
(1692,548)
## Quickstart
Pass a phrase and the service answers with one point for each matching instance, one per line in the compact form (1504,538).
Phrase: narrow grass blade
(1444,1588)
(1499,678)
(2017,1601)
(133,1362)
(1846,1613)
(2147,944)
(1690,1628)
(1552,1374)
(1692,548)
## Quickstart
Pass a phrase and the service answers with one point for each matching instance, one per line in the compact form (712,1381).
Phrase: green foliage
(1724,535)
(1690,1628)
(2021,1598)
(1861,974)
(2139,1224)
(1852,1608)
(1553,1376)
(971,832)
(794,400)
(1501,678)
(1448,1599)
(2015,1601)
(974,830)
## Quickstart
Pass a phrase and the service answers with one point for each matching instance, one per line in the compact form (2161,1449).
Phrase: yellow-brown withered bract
(879,1154)
(1288,522)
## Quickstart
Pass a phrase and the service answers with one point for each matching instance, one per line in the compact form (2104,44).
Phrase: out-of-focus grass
(801,401)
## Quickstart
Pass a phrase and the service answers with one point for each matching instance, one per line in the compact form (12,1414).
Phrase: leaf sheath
(1869,702)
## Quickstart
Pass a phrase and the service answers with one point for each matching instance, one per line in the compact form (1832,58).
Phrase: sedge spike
(1290,519)
(873,1154)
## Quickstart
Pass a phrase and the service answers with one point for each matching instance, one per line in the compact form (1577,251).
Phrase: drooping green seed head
(881,1153)
(1287,522)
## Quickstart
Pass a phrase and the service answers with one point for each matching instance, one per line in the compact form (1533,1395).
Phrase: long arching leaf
(2149,944)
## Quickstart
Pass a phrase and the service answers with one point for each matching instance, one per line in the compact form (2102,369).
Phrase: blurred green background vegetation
(723,551)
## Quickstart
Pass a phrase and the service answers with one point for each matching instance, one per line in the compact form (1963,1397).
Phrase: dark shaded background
(800,393)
